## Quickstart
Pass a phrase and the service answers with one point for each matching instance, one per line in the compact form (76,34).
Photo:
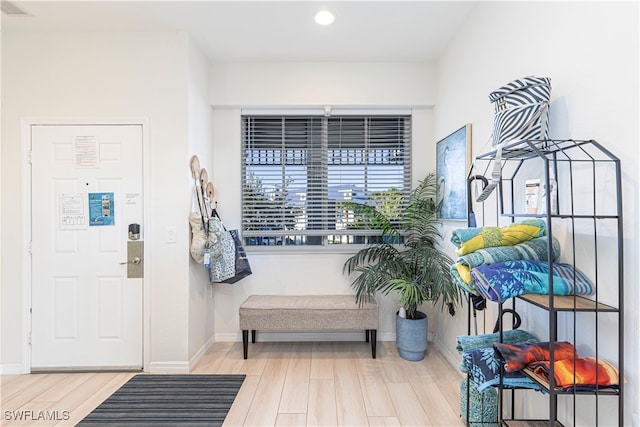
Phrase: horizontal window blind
(298,171)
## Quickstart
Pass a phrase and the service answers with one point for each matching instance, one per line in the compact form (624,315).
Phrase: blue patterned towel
(499,282)
(476,342)
(484,371)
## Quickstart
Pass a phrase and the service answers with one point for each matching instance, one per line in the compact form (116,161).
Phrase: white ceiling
(266,30)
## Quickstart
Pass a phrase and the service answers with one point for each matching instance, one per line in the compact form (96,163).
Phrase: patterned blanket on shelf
(476,342)
(471,239)
(535,249)
(499,282)
(484,371)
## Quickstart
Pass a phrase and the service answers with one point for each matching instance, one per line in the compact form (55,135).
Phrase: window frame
(403,115)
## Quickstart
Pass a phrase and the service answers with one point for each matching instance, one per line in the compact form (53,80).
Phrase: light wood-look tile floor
(287,384)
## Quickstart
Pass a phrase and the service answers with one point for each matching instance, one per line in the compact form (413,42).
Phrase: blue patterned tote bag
(521,110)
(222,253)
(227,257)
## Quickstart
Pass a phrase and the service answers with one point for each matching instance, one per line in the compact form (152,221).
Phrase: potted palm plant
(405,261)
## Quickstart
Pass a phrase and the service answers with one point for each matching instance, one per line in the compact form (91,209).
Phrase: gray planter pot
(411,337)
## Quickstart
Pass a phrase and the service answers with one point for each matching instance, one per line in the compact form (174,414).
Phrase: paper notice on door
(73,214)
(132,198)
(86,151)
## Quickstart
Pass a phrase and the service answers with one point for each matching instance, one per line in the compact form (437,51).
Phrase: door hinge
(29,157)
(29,248)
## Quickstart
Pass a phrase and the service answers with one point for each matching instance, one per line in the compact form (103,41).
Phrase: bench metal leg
(374,333)
(253,336)
(245,342)
(366,335)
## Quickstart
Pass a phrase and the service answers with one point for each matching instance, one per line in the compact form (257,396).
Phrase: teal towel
(475,342)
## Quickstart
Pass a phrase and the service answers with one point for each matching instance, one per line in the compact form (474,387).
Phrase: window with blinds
(298,171)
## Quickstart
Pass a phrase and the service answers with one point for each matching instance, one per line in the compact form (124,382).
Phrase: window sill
(302,250)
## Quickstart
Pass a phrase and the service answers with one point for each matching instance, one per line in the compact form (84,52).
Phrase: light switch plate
(171,235)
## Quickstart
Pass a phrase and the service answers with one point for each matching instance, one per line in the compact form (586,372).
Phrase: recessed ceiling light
(324,17)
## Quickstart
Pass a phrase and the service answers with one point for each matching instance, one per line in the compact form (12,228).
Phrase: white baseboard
(169,367)
(12,369)
(200,353)
(387,336)
(453,359)
(304,336)
(228,337)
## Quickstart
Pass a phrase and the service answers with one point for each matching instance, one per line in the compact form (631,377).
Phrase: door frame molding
(26,123)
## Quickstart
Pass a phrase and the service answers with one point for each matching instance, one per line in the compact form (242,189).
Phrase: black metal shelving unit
(586,212)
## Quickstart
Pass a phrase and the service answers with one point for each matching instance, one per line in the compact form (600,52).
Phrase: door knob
(135,255)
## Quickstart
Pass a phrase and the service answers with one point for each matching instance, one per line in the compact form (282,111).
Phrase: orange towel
(518,356)
(588,372)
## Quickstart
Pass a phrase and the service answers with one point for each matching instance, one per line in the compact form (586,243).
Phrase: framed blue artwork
(453,158)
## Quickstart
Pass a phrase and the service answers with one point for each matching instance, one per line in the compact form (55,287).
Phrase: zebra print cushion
(521,110)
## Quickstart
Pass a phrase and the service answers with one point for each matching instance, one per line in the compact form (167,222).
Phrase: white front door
(86,188)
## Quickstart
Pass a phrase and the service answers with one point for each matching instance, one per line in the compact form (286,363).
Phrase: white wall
(201,319)
(590,52)
(107,75)
(323,83)
(305,84)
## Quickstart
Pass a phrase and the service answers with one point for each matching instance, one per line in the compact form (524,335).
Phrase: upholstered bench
(307,313)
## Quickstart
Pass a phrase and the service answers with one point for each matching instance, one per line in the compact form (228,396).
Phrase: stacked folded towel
(534,249)
(478,359)
(499,263)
